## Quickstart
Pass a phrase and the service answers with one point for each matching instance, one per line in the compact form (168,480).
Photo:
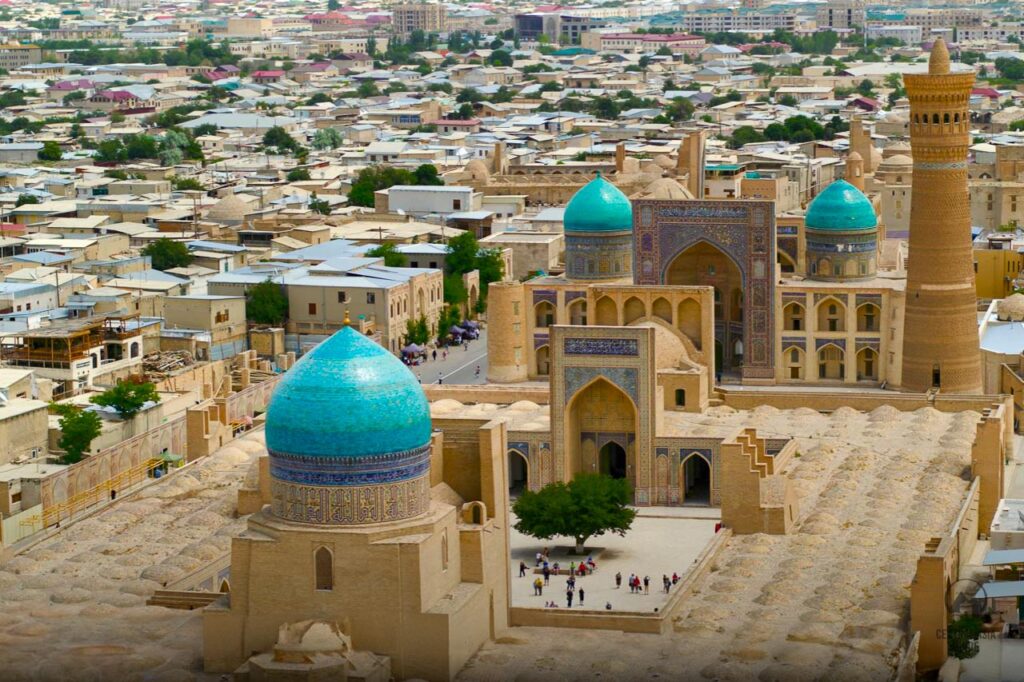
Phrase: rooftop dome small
(841,207)
(599,206)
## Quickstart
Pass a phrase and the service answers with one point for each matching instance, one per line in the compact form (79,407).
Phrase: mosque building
(363,530)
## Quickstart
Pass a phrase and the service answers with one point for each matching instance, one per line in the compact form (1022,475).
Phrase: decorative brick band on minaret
(940,338)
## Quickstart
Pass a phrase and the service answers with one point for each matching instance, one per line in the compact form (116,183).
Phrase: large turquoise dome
(347,398)
(841,207)
(598,207)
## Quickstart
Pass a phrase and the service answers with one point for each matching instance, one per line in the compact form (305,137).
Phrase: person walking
(540,558)
(618,580)
(440,378)
(522,569)
(572,568)
(581,596)
(647,584)
(547,575)
(478,370)
(538,587)
(666,582)
(568,598)
(435,354)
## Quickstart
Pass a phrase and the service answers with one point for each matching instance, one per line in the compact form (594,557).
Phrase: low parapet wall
(865,401)
(489,393)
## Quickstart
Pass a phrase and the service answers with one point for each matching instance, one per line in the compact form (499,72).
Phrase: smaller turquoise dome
(599,206)
(347,398)
(841,207)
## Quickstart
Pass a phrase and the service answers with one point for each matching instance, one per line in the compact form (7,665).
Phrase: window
(680,397)
(456,204)
(323,567)
(342,297)
(312,308)
(371,297)
(414,264)
(433,264)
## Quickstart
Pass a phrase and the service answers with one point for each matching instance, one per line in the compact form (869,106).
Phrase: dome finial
(938,62)
(347,322)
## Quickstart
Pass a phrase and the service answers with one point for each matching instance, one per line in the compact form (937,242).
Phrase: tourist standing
(538,587)
(547,574)
(540,558)
(522,569)
(581,596)
(647,584)
(618,580)
(666,582)
(568,598)
(435,354)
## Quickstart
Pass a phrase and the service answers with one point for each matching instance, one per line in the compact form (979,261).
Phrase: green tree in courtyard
(266,304)
(78,428)
(589,505)
(166,254)
(127,397)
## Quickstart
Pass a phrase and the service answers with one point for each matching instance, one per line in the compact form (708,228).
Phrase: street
(459,367)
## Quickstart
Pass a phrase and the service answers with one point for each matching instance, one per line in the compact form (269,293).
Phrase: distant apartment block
(426,17)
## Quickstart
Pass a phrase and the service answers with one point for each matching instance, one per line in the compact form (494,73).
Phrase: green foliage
(788,100)
(962,635)
(195,53)
(589,505)
(51,151)
(78,428)
(391,255)
(500,58)
(321,206)
(166,254)
(266,303)
(367,89)
(12,98)
(1017,125)
(205,129)
(127,397)
(1010,68)
(464,112)
(375,178)
(182,184)
(471,95)
(449,316)
(74,96)
(278,137)
(454,289)
(297,175)
(25,199)
(318,98)
(745,135)
(327,138)
(465,255)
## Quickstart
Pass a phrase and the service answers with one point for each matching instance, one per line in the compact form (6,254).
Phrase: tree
(588,505)
(183,184)
(128,397)
(455,292)
(321,206)
(78,428)
(327,138)
(279,137)
(204,129)
(745,135)
(367,89)
(266,303)
(390,253)
(867,88)
(110,151)
(170,156)
(417,331)
(426,174)
(1010,68)
(297,175)
(464,112)
(500,58)
(465,255)
(166,254)
(25,199)
(318,98)
(788,100)
(50,152)
(74,96)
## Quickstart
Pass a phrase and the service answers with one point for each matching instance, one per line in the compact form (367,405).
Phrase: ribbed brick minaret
(940,337)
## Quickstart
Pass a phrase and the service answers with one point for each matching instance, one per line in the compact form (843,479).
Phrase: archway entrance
(600,431)
(696,480)
(518,473)
(613,460)
(706,265)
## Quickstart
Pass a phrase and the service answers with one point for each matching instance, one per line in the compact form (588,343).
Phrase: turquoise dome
(347,398)
(598,207)
(841,207)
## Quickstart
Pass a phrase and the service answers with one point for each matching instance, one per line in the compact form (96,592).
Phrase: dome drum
(841,232)
(598,233)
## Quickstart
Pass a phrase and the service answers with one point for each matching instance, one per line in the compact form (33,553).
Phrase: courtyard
(662,541)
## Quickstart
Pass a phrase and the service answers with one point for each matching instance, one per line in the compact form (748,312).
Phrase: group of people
(638,585)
